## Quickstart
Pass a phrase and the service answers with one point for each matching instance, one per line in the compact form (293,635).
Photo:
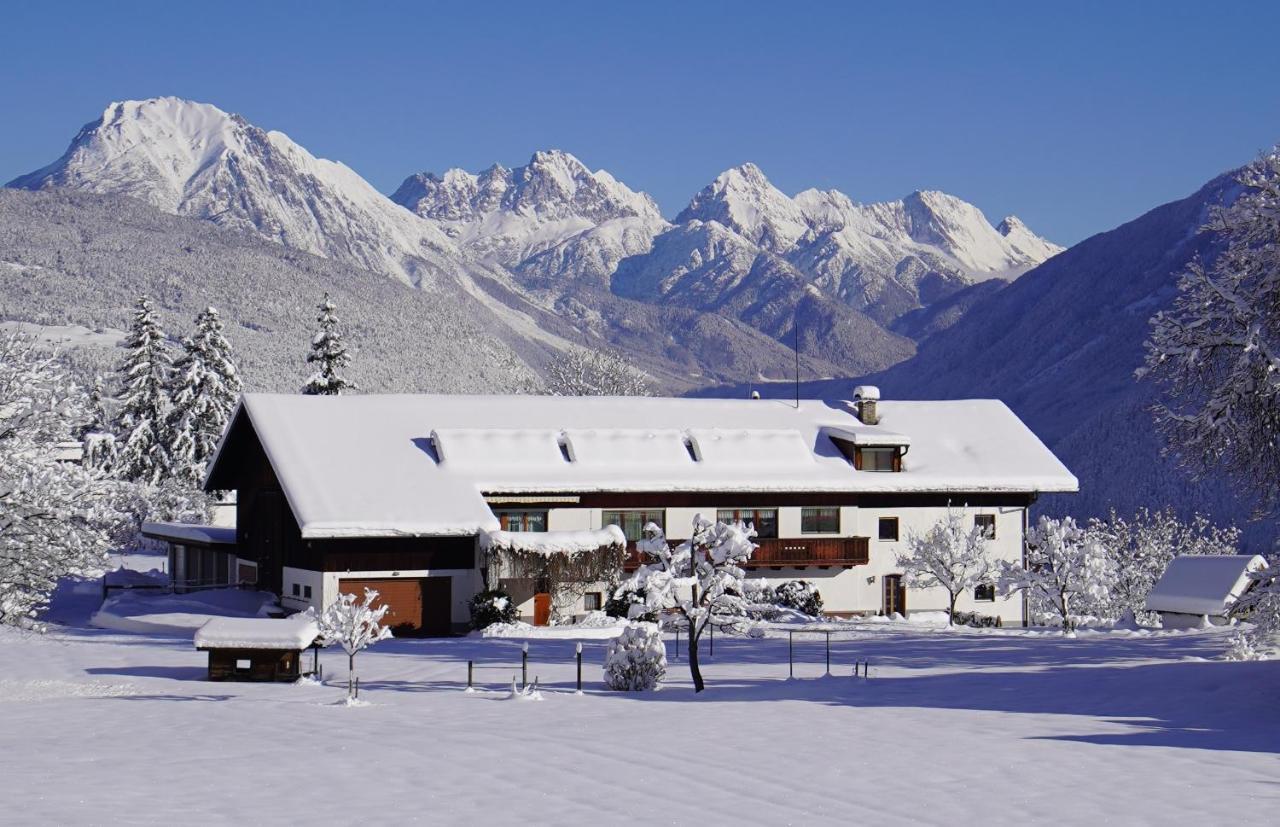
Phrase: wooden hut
(256,648)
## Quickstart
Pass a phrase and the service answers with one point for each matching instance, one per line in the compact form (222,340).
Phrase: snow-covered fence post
(524,665)
(791,661)
(355,627)
(578,653)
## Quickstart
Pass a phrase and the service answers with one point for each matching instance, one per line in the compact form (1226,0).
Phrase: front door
(895,595)
(541,608)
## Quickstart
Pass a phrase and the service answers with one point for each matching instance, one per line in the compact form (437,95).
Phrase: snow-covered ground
(1005,726)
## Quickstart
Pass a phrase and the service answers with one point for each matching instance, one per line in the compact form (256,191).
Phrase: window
(820,520)
(889,528)
(306,592)
(984,592)
(764,520)
(877,459)
(592,601)
(522,520)
(297,590)
(987,522)
(244,665)
(632,523)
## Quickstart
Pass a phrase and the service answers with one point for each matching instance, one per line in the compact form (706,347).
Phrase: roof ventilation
(755,394)
(692,449)
(565,452)
(865,398)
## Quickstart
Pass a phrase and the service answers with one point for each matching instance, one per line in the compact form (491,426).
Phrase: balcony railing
(793,552)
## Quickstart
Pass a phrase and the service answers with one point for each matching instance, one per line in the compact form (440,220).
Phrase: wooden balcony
(793,553)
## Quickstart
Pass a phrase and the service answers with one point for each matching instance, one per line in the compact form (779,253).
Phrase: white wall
(324,586)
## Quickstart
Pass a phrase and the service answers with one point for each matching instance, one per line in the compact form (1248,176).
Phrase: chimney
(755,394)
(865,398)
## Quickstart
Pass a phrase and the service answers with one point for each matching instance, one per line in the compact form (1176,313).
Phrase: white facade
(317,589)
(854,590)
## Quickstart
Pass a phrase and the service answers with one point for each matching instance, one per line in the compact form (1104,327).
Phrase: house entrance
(895,595)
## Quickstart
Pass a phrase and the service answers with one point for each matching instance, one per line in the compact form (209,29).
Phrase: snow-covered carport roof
(1203,584)
(419,465)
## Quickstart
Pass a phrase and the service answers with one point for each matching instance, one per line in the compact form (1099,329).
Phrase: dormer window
(878,458)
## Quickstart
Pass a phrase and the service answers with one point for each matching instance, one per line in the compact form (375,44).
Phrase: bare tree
(584,372)
(948,556)
(355,627)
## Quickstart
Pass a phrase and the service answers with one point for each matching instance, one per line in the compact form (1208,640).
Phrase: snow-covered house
(397,491)
(1201,587)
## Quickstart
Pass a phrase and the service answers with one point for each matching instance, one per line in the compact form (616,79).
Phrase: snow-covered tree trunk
(700,578)
(141,424)
(329,355)
(207,389)
(949,556)
(1216,352)
(583,372)
(355,626)
(1062,562)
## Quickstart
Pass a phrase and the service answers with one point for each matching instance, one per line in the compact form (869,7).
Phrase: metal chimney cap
(869,393)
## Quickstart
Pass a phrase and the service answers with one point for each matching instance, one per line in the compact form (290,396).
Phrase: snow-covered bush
(1260,606)
(636,660)
(55,517)
(490,607)
(628,603)
(355,627)
(800,595)
(1064,565)
(977,621)
(583,372)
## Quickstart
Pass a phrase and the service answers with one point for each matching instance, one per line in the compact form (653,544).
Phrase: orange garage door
(417,606)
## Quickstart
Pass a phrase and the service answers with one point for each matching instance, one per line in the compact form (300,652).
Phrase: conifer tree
(207,388)
(141,423)
(329,354)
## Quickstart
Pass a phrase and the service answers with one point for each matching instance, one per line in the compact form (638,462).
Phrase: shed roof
(287,633)
(1206,584)
(207,535)
(416,464)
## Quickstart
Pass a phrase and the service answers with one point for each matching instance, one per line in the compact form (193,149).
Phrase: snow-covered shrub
(492,606)
(1242,647)
(624,601)
(1260,606)
(800,595)
(978,621)
(636,660)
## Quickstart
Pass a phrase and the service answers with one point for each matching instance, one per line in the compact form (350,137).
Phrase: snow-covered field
(1005,726)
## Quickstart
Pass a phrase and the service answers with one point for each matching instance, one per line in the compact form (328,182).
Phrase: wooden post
(524,665)
(712,632)
(579,653)
(677,657)
(791,662)
(470,671)
(828,653)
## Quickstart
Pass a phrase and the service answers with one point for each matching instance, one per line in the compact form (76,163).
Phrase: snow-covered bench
(256,648)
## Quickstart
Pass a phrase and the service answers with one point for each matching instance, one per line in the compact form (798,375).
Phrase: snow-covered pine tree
(1063,563)
(55,517)
(950,556)
(355,626)
(701,579)
(142,420)
(585,372)
(329,354)
(207,387)
(1216,352)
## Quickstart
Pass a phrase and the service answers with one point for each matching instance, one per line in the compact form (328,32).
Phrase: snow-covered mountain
(552,219)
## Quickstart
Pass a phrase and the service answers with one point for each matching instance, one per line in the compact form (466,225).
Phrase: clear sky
(1074,116)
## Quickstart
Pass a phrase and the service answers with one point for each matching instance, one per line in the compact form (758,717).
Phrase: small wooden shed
(1202,588)
(256,648)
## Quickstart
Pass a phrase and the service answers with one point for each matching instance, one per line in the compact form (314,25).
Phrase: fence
(523,666)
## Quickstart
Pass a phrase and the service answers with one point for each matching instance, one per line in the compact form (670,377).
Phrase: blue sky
(1074,116)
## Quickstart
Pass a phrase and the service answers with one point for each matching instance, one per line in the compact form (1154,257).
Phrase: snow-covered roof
(554,542)
(417,464)
(204,534)
(1203,584)
(297,632)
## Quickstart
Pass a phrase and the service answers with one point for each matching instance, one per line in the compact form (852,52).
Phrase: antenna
(795,323)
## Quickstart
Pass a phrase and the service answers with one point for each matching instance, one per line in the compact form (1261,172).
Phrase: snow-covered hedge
(636,660)
(622,600)
(800,595)
(960,618)
(492,606)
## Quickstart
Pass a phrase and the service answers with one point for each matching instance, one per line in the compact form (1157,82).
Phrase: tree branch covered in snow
(1216,352)
(949,556)
(329,354)
(700,578)
(585,372)
(55,517)
(355,626)
(1063,564)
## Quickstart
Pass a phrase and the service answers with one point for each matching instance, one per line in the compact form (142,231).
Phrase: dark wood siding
(730,499)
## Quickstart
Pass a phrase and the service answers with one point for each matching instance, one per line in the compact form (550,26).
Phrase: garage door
(415,606)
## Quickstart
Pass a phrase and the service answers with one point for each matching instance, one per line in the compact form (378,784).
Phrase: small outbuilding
(1196,588)
(256,648)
